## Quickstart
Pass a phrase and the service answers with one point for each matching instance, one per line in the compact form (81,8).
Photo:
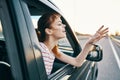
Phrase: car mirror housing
(96,54)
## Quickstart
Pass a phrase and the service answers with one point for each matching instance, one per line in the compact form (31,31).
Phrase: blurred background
(86,16)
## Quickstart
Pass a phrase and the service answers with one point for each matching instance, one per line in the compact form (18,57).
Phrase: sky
(86,16)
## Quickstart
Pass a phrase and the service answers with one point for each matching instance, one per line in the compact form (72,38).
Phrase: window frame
(71,36)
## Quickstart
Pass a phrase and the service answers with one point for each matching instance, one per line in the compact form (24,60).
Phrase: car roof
(48,3)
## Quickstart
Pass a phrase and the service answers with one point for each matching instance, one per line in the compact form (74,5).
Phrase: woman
(50,30)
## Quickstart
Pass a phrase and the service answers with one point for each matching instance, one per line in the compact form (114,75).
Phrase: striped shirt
(47,57)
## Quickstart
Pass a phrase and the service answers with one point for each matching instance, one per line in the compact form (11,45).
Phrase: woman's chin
(64,36)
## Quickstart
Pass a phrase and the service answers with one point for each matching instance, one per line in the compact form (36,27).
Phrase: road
(109,67)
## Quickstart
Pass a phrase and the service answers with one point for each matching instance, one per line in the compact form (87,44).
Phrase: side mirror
(96,54)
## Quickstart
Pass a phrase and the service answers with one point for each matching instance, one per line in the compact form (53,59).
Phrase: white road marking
(115,54)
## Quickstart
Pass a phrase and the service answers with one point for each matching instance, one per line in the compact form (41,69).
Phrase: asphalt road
(109,67)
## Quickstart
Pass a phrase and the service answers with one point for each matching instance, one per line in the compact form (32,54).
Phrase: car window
(63,44)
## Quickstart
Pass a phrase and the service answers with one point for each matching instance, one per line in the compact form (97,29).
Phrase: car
(20,55)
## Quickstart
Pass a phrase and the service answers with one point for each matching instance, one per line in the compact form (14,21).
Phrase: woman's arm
(78,61)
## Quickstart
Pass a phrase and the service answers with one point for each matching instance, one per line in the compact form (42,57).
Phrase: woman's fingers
(102,31)
(100,28)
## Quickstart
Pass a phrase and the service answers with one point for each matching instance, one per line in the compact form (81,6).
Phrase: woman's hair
(56,51)
(45,22)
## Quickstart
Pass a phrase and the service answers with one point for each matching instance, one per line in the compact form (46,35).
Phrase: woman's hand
(98,35)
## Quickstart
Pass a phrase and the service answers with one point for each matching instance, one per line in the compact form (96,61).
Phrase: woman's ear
(48,31)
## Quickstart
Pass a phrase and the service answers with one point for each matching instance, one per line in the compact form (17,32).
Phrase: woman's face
(58,29)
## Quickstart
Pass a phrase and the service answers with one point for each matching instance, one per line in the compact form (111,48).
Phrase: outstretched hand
(100,33)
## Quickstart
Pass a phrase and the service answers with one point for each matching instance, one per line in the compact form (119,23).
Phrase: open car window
(63,44)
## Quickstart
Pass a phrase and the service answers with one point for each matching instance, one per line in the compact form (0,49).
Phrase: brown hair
(45,22)
(56,52)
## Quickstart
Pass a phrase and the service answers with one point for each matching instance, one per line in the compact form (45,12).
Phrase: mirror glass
(96,54)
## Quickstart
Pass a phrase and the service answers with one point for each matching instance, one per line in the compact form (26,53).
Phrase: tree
(117,33)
